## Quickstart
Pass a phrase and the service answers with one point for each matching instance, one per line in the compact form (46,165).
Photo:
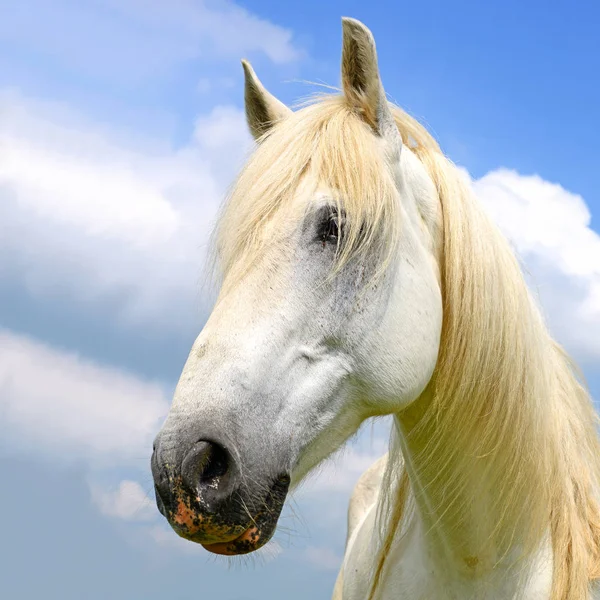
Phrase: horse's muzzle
(205,501)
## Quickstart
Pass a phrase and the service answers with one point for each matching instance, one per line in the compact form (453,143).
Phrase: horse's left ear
(361,81)
(263,110)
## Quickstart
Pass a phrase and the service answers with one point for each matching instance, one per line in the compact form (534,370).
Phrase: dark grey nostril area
(161,484)
(159,501)
(204,465)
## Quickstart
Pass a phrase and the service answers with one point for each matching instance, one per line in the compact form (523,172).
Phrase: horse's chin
(262,528)
(251,540)
(226,539)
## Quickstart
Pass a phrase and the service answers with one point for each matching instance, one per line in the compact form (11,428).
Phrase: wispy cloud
(127,501)
(550,227)
(63,407)
(132,42)
(322,558)
(108,217)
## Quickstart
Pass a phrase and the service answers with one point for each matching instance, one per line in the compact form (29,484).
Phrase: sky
(121,126)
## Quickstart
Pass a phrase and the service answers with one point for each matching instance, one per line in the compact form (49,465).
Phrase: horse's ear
(361,82)
(263,110)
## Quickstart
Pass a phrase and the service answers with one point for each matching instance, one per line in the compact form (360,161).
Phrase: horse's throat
(457,522)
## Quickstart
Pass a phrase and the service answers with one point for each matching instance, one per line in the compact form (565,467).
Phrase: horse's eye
(329,229)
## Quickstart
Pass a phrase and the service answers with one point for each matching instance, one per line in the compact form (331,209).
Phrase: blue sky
(121,126)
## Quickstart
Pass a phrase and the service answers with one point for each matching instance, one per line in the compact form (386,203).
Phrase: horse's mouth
(229,537)
(252,539)
(263,524)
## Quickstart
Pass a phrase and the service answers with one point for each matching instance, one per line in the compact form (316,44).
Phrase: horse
(360,277)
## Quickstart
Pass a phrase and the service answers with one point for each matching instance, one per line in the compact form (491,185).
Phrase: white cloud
(106,217)
(101,200)
(59,405)
(550,229)
(230,29)
(223,128)
(340,473)
(128,501)
(322,558)
(130,42)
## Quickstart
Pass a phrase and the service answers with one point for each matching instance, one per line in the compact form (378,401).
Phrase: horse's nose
(201,475)
(204,467)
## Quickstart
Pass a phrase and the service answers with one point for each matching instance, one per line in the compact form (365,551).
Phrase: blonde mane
(509,412)
(507,404)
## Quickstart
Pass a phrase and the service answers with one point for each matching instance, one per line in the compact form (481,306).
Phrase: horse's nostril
(215,465)
(204,464)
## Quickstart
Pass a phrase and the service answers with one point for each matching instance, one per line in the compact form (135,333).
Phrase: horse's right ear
(263,110)
(361,80)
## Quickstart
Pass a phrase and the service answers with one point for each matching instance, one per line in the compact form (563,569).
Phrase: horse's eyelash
(330,228)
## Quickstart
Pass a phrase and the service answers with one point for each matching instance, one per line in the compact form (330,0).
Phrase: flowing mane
(508,405)
(508,408)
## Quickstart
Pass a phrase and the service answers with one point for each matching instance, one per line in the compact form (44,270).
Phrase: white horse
(361,278)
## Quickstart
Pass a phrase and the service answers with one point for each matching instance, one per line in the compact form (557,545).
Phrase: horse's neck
(453,541)
(411,573)
(452,533)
